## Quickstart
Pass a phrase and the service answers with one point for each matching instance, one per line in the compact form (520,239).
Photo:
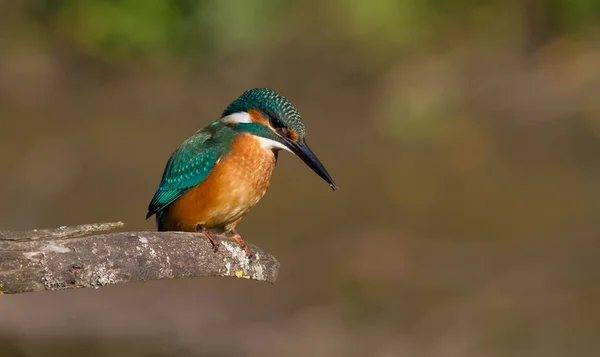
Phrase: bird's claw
(215,243)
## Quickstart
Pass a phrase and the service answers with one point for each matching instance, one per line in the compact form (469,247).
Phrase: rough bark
(70,257)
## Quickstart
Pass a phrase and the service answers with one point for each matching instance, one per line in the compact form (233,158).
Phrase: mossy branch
(85,257)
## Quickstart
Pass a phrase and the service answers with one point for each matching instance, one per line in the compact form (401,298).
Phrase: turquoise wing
(189,165)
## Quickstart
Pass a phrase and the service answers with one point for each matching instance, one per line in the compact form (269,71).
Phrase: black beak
(305,153)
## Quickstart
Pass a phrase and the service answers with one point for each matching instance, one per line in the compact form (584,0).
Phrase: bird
(217,175)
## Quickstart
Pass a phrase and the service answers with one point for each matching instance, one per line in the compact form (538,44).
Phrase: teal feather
(190,164)
(271,103)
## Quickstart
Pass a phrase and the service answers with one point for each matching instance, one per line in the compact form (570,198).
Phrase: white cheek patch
(271,144)
(244,117)
(236,118)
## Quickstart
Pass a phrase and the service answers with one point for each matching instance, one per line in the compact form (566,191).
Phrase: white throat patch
(269,144)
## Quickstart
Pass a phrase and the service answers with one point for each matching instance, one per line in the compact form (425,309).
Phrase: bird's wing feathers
(189,165)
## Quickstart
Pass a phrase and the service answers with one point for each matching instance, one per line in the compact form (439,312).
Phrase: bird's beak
(305,153)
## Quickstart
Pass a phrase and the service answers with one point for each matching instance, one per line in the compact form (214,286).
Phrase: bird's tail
(160,221)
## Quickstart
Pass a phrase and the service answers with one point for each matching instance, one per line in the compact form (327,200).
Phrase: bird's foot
(213,240)
(238,238)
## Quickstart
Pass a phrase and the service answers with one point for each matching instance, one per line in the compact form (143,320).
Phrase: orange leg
(238,238)
(213,240)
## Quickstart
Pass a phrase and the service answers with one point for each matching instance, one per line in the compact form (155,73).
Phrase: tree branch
(69,257)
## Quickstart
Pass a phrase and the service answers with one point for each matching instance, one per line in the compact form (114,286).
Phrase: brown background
(467,157)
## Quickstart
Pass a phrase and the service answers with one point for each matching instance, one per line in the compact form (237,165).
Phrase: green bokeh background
(463,134)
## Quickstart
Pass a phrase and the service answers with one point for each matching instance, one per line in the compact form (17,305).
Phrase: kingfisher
(221,172)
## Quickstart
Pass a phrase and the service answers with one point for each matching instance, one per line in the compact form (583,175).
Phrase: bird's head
(271,118)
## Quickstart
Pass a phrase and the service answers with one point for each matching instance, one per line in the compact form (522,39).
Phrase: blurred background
(463,134)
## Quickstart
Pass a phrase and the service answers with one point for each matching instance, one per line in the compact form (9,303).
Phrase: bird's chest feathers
(235,184)
(245,173)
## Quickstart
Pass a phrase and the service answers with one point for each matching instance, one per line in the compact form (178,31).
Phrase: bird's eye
(276,122)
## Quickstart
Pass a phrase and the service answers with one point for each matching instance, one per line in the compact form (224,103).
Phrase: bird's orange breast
(235,184)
